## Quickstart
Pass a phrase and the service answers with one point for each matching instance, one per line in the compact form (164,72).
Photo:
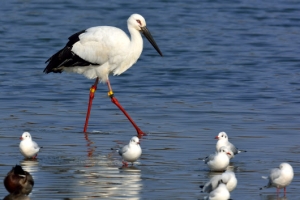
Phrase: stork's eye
(139,21)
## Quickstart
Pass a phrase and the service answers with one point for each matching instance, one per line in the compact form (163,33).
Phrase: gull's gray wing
(123,150)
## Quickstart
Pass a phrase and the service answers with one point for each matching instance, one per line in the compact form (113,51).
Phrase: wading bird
(228,178)
(280,177)
(223,140)
(220,193)
(28,147)
(100,51)
(218,161)
(131,152)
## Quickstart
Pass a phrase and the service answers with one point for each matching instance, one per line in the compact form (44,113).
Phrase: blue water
(227,66)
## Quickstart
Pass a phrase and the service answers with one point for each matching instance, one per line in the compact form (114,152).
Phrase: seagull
(131,152)
(18,181)
(223,141)
(218,161)
(220,193)
(100,51)
(280,177)
(228,178)
(28,148)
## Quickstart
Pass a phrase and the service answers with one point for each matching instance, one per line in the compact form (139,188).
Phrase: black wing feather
(65,57)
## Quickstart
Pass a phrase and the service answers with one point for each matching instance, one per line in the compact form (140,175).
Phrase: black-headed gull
(132,151)
(280,177)
(218,161)
(18,181)
(223,140)
(220,193)
(28,148)
(228,178)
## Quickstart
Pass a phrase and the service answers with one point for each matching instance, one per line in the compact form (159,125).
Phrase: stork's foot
(140,133)
(116,102)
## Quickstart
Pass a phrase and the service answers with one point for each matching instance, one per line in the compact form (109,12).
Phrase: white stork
(102,50)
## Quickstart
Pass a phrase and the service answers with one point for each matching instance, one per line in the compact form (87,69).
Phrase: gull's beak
(228,153)
(148,35)
(21,138)
(216,137)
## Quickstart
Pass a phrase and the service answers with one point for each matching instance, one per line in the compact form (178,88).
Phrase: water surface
(230,67)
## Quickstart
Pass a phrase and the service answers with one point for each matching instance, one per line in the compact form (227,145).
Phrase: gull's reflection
(30,165)
(130,182)
(106,177)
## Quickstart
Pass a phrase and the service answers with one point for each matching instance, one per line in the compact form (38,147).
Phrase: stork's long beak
(148,35)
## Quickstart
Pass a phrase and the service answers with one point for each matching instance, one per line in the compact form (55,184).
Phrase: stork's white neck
(136,44)
(134,51)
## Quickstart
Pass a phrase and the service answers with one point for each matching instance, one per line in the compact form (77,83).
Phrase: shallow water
(230,67)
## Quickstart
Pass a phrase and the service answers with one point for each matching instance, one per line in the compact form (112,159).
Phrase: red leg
(116,102)
(125,164)
(284,191)
(278,191)
(92,95)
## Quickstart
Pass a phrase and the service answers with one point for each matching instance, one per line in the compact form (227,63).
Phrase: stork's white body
(108,46)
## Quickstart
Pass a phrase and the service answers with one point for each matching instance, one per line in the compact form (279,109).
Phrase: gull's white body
(224,141)
(280,177)
(228,178)
(28,148)
(220,193)
(132,151)
(218,161)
